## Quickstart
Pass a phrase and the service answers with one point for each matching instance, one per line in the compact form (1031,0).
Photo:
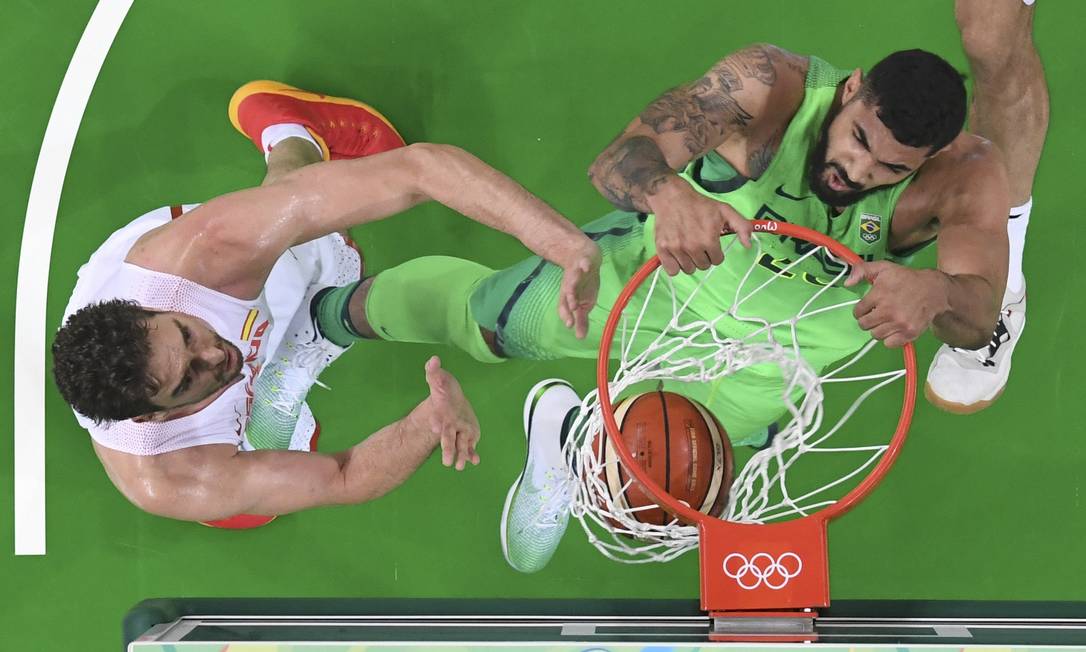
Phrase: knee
(991,42)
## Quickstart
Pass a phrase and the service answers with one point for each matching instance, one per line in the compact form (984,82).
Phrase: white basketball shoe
(285,380)
(536,509)
(963,381)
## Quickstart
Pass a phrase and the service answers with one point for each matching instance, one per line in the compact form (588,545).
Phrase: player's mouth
(835,182)
(231,365)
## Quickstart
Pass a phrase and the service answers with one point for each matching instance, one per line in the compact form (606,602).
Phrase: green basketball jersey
(782,193)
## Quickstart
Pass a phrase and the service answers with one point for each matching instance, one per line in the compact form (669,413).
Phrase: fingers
(855,275)
(702,259)
(668,262)
(865,305)
(737,224)
(884,330)
(892,333)
(580,319)
(869,320)
(458,446)
(448,446)
(896,340)
(869,271)
(686,263)
(565,311)
(716,256)
(437,378)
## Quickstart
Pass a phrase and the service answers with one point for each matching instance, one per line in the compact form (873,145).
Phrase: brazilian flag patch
(870,227)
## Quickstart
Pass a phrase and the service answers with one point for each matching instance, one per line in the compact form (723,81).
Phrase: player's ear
(852,85)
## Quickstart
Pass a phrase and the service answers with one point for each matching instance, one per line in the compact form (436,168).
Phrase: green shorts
(445,300)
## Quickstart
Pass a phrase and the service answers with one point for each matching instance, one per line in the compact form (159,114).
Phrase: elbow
(424,156)
(598,170)
(595,170)
(430,166)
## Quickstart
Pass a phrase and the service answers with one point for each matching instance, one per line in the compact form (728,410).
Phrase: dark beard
(817,167)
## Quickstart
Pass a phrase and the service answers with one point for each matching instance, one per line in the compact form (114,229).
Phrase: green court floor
(982,507)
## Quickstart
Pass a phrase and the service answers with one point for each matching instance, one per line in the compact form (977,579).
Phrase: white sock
(275,134)
(1016,233)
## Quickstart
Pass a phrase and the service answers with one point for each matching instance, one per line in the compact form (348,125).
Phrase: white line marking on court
(33,280)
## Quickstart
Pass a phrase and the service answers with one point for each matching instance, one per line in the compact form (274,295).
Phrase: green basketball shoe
(537,508)
(284,382)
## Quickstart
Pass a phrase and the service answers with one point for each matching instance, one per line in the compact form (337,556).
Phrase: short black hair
(100,360)
(919,97)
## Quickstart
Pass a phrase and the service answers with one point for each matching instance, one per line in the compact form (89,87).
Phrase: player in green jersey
(763,133)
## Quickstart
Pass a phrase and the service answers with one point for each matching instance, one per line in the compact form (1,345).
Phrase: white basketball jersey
(248,325)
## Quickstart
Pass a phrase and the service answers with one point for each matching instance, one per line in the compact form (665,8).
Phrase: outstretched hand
(451,417)
(580,287)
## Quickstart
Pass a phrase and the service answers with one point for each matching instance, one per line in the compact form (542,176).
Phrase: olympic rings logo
(762,569)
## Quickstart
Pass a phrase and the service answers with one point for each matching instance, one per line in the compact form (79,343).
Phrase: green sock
(331,312)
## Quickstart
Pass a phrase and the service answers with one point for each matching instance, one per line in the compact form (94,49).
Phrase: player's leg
(512,313)
(289,154)
(1010,107)
(310,286)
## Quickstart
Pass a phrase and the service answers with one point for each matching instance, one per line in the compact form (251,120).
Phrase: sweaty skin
(213,245)
(740,108)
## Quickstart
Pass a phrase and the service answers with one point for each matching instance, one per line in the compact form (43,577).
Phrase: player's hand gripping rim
(689,227)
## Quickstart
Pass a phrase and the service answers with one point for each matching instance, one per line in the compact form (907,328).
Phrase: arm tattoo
(635,169)
(756,63)
(758,160)
(706,111)
(703,112)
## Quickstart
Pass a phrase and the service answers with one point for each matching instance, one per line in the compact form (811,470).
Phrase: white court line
(33,281)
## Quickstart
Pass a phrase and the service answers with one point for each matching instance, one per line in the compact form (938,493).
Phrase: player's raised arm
(685,122)
(733,101)
(960,300)
(271,482)
(333,196)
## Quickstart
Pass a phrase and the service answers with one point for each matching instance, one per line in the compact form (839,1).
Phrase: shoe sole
(286,90)
(529,409)
(971,408)
(958,408)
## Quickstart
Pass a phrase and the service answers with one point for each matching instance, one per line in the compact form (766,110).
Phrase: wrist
(583,249)
(941,285)
(666,190)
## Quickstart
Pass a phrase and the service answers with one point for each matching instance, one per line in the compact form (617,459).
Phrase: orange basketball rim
(758,569)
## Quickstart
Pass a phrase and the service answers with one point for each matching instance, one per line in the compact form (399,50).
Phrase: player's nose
(212,356)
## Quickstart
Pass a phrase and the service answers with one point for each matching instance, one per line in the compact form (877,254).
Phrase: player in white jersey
(194,333)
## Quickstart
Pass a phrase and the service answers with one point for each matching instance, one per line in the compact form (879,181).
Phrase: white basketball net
(692,351)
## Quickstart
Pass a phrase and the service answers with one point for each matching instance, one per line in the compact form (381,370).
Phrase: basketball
(682,446)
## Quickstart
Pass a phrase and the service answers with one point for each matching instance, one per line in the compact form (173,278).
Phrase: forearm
(457,179)
(385,459)
(970,313)
(630,171)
